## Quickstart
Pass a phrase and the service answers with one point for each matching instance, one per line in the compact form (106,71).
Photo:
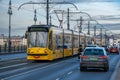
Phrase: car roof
(94,48)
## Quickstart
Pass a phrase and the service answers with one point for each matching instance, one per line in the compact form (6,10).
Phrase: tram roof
(47,26)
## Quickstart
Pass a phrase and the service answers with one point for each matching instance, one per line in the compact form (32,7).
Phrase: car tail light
(102,57)
(83,57)
(116,48)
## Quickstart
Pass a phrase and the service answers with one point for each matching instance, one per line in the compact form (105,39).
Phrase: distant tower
(35,17)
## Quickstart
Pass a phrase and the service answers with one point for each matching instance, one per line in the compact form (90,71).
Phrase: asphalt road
(63,69)
(12,56)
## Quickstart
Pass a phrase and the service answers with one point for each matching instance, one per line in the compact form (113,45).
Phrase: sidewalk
(12,52)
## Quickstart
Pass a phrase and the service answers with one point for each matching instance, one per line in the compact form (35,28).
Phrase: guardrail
(14,49)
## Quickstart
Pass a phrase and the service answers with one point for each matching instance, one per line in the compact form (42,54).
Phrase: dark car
(94,57)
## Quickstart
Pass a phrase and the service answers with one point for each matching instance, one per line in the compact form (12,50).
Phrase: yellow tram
(47,42)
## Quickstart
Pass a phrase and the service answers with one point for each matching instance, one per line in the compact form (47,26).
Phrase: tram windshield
(37,39)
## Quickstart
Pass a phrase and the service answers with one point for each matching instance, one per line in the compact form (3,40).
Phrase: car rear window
(113,47)
(91,46)
(93,52)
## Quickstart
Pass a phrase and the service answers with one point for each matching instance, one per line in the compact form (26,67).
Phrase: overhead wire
(6,5)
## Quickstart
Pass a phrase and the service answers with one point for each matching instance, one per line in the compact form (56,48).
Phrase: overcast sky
(106,12)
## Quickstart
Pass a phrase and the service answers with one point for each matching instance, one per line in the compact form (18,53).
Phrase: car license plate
(113,50)
(93,59)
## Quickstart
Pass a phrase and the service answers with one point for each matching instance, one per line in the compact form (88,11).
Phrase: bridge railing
(14,49)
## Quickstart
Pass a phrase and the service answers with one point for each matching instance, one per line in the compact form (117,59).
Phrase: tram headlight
(45,51)
(28,51)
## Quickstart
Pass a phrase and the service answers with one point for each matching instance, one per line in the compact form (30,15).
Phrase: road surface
(63,69)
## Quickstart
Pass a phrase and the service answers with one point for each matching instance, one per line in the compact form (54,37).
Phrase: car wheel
(118,53)
(78,57)
(82,68)
(106,69)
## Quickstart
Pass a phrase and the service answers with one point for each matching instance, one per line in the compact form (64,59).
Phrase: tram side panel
(75,43)
(67,46)
(57,43)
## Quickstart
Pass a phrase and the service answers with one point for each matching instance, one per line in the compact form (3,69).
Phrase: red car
(114,49)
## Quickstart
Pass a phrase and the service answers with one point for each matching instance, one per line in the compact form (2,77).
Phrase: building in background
(15,40)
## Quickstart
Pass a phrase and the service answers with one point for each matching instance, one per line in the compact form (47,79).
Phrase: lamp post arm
(31,2)
(86,14)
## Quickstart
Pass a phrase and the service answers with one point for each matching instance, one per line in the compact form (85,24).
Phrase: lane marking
(14,65)
(58,79)
(69,72)
(27,72)
(113,59)
(23,68)
(1,60)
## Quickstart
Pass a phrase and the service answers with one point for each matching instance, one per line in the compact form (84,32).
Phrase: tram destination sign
(34,29)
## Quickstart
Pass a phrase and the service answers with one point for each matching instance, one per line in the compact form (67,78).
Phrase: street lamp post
(95,34)
(68,24)
(95,30)
(90,18)
(47,12)
(105,38)
(9,13)
(80,29)
(101,35)
(88,27)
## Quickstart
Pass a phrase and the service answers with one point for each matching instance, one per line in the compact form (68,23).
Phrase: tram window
(61,46)
(37,39)
(75,42)
(58,47)
(65,47)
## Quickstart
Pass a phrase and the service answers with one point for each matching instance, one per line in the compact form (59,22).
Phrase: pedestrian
(80,50)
